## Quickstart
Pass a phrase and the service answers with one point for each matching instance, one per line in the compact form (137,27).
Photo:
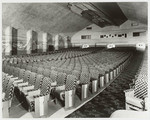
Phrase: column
(11,41)
(8,41)
(66,42)
(45,42)
(56,39)
(32,40)
(29,42)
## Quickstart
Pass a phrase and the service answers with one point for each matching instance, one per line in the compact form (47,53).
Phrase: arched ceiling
(49,17)
(136,11)
(58,18)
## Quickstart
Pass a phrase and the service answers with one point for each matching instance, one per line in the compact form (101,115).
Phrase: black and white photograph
(74,59)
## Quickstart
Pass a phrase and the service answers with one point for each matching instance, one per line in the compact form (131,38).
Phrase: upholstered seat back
(45,88)
(70,82)
(21,73)
(84,78)
(61,79)
(38,82)
(46,73)
(32,78)
(26,76)
(53,75)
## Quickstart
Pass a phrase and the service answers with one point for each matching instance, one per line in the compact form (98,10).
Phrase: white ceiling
(52,18)
(57,18)
(136,11)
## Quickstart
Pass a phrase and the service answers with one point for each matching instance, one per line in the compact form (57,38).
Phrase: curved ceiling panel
(101,13)
(136,11)
(48,17)
(58,18)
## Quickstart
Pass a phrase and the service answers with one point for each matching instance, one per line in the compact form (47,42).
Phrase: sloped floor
(112,98)
(55,110)
(108,101)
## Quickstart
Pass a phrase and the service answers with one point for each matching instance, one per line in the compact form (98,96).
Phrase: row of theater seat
(7,93)
(88,69)
(36,85)
(7,86)
(56,51)
(66,81)
(136,96)
(55,55)
(74,63)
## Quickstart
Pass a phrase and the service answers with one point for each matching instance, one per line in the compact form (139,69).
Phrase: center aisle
(112,98)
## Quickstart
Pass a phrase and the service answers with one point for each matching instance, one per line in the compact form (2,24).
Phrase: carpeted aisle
(112,98)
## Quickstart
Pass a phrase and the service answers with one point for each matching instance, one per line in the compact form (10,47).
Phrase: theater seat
(7,97)
(94,77)
(67,96)
(25,80)
(30,84)
(41,94)
(84,83)
(36,86)
(20,77)
(136,97)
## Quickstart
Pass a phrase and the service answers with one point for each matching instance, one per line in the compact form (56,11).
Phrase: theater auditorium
(75,60)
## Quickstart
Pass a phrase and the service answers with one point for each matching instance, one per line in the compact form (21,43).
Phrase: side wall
(22,39)
(127,28)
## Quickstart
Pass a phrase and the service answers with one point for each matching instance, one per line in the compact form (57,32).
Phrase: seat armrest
(26,89)
(78,82)
(11,76)
(30,87)
(146,103)
(93,80)
(62,95)
(45,97)
(32,90)
(60,88)
(34,93)
(53,84)
(134,101)
(7,74)
(3,95)
(15,78)
(18,80)
(129,92)
(6,103)
(22,84)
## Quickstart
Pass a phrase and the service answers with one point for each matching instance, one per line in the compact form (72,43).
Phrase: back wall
(122,35)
